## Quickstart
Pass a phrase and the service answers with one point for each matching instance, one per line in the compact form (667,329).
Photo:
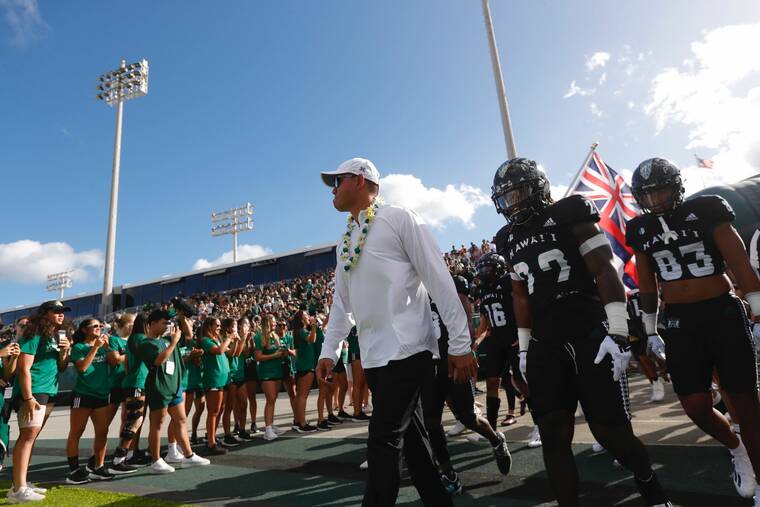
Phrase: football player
(571,315)
(497,332)
(683,247)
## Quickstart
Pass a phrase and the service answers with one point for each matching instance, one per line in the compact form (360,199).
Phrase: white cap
(353,166)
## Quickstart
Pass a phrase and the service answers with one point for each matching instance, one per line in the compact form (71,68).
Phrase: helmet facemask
(517,203)
(660,199)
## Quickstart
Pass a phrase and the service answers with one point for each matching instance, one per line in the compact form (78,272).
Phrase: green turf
(66,496)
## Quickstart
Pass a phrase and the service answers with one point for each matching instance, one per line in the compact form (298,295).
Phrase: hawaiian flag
(704,163)
(607,189)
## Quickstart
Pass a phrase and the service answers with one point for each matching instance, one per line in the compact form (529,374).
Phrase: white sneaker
(194,461)
(597,448)
(455,430)
(744,476)
(278,430)
(174,456)
(36,489)
(270,433)
(24,494)
(534,440)
(364,465)
(475,439)
(161,467)
(658,391)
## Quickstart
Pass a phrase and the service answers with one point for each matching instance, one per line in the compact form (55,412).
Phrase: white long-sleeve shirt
(386,293)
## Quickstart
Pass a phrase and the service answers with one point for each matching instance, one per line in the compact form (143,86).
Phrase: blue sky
(248,101)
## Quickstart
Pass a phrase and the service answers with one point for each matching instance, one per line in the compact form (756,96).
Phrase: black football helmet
(491,267)
(657,186)
(520,189)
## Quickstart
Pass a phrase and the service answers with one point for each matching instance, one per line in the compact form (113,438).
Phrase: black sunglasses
(339,179)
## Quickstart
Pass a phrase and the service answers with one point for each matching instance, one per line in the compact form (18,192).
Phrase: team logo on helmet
(646,169)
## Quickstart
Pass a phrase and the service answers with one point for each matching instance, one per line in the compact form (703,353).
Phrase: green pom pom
(357,249)
(366,220)
(346,268)
(364,230)
(345,249)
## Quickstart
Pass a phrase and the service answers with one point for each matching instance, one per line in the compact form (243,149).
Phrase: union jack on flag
(607,189)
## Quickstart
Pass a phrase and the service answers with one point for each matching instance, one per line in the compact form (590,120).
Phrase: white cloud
(28,261)
(717,97)
(595,110)
(436,206)
(598,59)
(603,78)
(631,104)
(24,19)
(558,191)
(244,252)
(577,90)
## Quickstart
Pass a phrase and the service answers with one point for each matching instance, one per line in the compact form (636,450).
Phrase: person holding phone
(269,355)
(9,352)
(44,353)
(90,401)
(163,389)
(304,336)
(235,381)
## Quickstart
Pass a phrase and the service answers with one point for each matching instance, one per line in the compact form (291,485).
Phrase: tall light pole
(114,88)
(232,221)
(506,122)
(59,282)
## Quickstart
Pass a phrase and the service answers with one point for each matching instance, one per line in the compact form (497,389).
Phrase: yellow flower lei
(348,255)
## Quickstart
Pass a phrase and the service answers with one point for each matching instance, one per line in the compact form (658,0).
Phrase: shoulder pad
(571,210)
(501,240)
(710,210)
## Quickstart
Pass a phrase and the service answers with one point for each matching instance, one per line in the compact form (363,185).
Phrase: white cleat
(658,391)
(534,440)
(270,433)
(364,465)
(161,467)
(174,457)
(24,494)
(744,476)
(455,430)
(597,448)
(194,461)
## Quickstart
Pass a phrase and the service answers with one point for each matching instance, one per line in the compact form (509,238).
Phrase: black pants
(397,424)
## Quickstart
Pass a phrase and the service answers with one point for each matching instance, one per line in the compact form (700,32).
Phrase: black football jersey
(545,254)
(692,252)
(496,306)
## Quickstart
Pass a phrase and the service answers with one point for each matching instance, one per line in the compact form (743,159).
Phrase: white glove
(656,346)
(619,351)
(524,364)
(756,335)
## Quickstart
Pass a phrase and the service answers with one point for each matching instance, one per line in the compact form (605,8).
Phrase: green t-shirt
(288,361)
(44,370)
(95,381)
(194,374)
(305,358)
(318,343)
(216,367)
(118,344)
(163,382)
(268,370)
(137,369)
(237,368)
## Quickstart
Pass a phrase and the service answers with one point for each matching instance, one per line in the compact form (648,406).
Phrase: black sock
(73,463)
(492,410)
(120,452)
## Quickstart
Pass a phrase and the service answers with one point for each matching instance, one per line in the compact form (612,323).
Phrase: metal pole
(580,171)
(60,296)
(506,123)
(106,303)
(234,247)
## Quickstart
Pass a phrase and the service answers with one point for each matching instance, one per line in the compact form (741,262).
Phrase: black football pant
(438,388)
(397,424)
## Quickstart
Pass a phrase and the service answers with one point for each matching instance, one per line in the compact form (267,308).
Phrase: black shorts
(638,346)
(236,383)
(116,396)
(198,391)
(339,366)
(90,402)
(251,373)
(561,374)
(439,387)
(354,356)
(300,374)
(513,361)
(494,356)
(709,335)
(42,399)
(133,392)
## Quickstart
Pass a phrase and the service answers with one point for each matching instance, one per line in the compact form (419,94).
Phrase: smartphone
(61,336)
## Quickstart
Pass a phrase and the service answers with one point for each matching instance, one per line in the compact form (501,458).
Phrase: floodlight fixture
(232,221)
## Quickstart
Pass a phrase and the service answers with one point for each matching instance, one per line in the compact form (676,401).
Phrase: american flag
(704,163)
(599,183)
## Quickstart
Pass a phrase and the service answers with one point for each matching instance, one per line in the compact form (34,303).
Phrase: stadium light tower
(59,282)
(232,221)
(114,88)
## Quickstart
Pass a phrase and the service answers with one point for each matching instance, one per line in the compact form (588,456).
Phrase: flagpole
(699,170)
(583,166)
(506,122)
